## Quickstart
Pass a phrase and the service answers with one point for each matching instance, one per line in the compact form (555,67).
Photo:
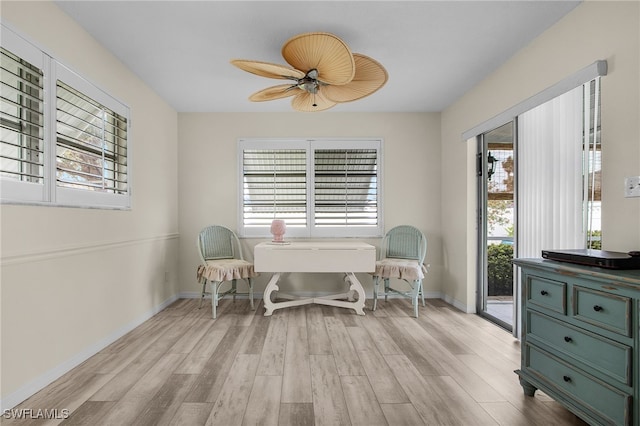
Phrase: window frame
(310,145)
(14,190)
(82,197)
(49,193)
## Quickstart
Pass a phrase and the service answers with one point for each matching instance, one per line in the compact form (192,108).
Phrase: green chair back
(218,242)
(405,242)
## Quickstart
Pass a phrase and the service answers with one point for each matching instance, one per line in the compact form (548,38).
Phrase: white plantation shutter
(63,141)
(91,144)
(275,186)
(321,188)
(22,127)
(346,187)
(92,148)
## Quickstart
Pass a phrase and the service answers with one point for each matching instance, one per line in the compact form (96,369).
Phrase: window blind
(550,176)
(275,186)
(63,140)
(345,187)
(91,144)
(21,120)
(321,188)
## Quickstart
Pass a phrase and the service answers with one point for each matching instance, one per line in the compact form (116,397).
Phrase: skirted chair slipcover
(221,261)
(401,256)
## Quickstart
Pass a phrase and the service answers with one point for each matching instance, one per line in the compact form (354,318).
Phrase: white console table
(340,256)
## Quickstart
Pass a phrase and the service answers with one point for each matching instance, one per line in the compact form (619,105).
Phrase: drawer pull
(598,308)
(544,292)
(568,339)
(566,378)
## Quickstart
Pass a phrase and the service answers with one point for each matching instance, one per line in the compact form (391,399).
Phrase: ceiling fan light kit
(323,71)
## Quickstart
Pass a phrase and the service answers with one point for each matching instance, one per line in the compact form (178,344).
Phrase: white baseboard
(458,304)
(50,376)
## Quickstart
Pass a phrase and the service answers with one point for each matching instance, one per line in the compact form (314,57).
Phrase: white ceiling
(434,51)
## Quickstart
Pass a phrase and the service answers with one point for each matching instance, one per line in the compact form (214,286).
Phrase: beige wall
(73,279)
(209,174)
(594,30)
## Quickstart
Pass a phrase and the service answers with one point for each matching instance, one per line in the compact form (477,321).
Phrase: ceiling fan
(323,71)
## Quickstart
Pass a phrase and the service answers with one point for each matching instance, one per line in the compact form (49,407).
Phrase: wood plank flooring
(309,365)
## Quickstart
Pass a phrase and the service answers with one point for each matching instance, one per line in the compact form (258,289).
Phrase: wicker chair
(221,261)
(401,256)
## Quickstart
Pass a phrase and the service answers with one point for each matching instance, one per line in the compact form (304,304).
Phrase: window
(275,185)
(22,125)
(346,187)
(22,120)
(321,188)
(91,144)
(63,141)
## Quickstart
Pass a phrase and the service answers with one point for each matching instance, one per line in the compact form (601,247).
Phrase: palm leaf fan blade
(370,76)
(275,92)
(308,102)
(267,69)
(324,52)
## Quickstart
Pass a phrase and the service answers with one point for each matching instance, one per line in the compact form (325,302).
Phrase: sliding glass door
(496,224)
(538,188)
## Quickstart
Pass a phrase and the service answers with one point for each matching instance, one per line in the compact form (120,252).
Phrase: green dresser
(581,339)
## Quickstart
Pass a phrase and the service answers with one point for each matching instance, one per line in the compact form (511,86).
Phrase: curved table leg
(271,287)
(351,293)
(356,286)
(353,303)
(356,305)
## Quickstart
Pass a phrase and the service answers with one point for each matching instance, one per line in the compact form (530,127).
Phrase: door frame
(482,234)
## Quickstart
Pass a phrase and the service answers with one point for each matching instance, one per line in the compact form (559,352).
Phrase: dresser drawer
(607,311)
(607,402)
(546,293)
(608,357)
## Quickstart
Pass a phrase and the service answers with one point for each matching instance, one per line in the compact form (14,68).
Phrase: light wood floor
(310,365)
